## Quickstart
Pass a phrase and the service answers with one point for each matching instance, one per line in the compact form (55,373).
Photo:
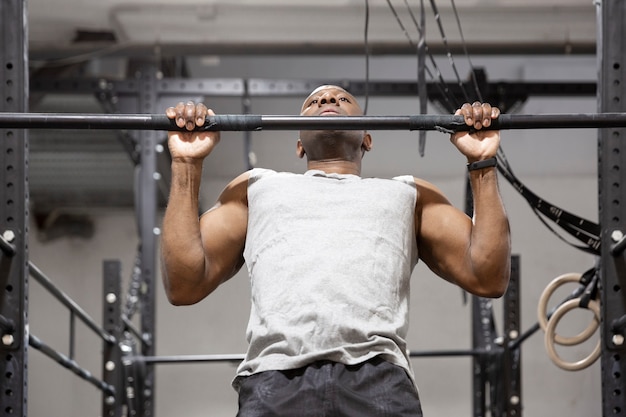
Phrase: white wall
(565,175)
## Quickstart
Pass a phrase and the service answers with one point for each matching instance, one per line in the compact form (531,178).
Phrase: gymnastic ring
(551,332)
(542,315)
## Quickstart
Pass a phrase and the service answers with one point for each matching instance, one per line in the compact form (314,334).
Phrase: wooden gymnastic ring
(551,333)
(542,314)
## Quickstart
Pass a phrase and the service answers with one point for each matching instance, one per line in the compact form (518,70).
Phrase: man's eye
(314,101)
(344,99)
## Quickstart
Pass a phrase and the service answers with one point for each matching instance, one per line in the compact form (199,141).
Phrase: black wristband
(485,163)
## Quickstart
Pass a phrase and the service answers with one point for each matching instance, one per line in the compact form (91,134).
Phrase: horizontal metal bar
(239,357)
(69,303)
(145,50)
(189,358)
(446,353)
(70,364)
(251,122)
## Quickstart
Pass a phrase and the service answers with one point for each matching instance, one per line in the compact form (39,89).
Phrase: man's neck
(336,167)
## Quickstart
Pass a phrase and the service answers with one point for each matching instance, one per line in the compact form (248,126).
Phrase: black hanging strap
(583,230)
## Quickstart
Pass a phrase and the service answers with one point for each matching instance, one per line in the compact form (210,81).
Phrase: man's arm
(475,254)
(198,254)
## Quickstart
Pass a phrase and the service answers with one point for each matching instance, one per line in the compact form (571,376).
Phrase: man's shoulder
(257,173)
(408,179)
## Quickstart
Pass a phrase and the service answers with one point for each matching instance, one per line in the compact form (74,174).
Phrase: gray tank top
(330,259)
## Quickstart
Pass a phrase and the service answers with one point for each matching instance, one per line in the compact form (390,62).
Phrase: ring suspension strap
(444,39)
(421,73)
(366,43)
(591,290)
(466,53)
(441,85)
(422,48)
(581,229)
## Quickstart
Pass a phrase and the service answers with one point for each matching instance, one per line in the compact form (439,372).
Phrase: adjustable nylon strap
(582,229)
(421,76)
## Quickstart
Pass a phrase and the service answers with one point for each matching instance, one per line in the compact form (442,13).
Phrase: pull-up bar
(249,122)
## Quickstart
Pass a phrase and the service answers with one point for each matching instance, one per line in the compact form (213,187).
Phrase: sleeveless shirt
(329,258)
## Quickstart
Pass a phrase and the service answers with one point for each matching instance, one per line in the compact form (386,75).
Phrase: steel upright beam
(483,338)
(612,198)
(146,209)
(112,405)
(510,401)
(13,211)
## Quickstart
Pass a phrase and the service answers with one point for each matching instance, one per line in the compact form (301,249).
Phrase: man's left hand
(477,144)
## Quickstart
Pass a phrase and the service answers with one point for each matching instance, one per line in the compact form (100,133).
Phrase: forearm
(183,261)
(490,247)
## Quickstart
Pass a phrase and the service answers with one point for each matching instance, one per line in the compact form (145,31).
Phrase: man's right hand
(190,145)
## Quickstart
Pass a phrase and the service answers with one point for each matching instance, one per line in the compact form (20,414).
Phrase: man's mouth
(328,113)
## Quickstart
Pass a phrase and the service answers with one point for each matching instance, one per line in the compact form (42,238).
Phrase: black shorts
(375,388)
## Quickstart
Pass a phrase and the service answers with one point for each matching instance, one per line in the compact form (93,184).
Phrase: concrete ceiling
(65,27)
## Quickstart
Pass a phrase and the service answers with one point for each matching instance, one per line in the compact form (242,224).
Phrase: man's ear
(300,149)
(367,142)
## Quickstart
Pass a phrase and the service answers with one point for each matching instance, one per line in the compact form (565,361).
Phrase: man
(330,255)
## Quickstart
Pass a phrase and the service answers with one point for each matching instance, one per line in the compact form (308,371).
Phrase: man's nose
(328,98)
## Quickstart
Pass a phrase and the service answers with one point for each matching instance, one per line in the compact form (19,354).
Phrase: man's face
(330,100)
(349,145)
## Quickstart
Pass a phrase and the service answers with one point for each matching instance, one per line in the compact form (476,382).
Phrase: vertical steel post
(14,211)
(611,53)
(146,210)
(511,400)
(112,323)
(483,338)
